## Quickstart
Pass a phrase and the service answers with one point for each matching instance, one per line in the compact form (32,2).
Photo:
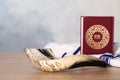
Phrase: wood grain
(16,66)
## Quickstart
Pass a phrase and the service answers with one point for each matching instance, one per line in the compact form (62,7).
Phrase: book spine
(81,35)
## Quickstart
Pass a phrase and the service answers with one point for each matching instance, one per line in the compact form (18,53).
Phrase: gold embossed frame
(97,36)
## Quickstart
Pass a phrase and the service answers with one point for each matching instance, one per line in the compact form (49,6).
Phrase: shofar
(48,62)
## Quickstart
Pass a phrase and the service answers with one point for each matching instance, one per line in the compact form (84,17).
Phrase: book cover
(96,34)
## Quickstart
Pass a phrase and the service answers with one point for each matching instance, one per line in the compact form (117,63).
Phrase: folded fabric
(106,57)
(112,60)
(115,62)
(62,50)
(74,53)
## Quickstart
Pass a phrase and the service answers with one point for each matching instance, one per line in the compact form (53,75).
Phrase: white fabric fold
(62,50)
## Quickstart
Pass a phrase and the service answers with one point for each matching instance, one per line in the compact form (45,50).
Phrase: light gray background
(35,23)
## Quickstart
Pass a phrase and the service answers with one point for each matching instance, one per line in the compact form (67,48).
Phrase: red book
(97,34)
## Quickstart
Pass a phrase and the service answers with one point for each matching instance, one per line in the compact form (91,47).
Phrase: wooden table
(16,66)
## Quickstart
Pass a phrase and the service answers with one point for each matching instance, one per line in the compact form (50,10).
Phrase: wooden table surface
(16,66)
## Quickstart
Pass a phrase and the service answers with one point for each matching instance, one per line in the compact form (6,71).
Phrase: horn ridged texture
(47,62)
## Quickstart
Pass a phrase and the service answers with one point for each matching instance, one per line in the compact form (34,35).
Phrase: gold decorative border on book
(97,36)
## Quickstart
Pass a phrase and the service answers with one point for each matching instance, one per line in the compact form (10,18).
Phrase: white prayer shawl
(61,50)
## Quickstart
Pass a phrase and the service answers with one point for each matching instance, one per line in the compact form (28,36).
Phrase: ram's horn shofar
(45,60)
